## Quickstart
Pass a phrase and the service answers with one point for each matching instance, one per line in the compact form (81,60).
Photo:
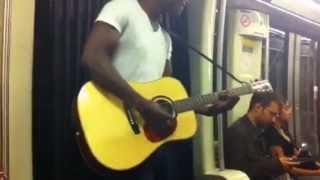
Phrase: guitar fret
(193,102)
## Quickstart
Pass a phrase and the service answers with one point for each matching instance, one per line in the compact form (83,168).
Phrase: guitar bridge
(132,121)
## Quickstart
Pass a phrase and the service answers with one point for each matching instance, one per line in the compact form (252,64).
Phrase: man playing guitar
(127,43)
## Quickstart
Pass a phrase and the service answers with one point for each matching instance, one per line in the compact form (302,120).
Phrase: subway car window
(278,61)
(306,106)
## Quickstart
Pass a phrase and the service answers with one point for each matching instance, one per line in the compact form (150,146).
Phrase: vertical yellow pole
(20,89)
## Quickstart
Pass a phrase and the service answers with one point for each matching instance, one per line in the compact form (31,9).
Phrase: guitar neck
(202,100)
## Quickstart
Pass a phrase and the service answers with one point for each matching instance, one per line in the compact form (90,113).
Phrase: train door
(293,70)
(305,96)
(293,75)
(278,61)
(305,92)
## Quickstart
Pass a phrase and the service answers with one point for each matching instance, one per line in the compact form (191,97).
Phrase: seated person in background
(245,148)
(281,144)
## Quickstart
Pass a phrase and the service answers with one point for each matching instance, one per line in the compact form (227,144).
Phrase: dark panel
(62,27)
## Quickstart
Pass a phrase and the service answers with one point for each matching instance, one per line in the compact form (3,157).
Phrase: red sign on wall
(245,20)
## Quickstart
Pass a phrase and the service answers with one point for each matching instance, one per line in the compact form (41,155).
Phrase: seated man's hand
(224,104)
(296,154)
(287,163)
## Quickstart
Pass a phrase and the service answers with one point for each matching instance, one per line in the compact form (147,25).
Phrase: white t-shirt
(142,52)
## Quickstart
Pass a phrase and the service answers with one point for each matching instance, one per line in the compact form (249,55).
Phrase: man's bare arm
(100,47)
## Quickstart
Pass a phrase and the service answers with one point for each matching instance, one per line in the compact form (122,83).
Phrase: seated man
(245,148)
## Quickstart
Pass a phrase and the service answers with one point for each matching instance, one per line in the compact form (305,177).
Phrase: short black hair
(264,99)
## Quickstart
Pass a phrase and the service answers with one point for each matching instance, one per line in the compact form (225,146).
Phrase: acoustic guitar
(114,136)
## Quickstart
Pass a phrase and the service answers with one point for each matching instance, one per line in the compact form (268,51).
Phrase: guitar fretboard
(202,100)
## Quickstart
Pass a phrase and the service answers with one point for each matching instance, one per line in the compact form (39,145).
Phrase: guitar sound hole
(171,123)
(167,105)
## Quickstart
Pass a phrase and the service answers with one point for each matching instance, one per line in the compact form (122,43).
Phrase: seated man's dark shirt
(245,150)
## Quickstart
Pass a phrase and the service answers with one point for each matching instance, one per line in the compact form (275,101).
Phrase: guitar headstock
(261,86)
(248,88)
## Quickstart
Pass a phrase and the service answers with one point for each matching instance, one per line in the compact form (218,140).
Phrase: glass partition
(278,61)
(306,108)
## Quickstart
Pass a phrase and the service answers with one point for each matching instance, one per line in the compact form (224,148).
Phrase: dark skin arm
(224,104)
(99,50)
